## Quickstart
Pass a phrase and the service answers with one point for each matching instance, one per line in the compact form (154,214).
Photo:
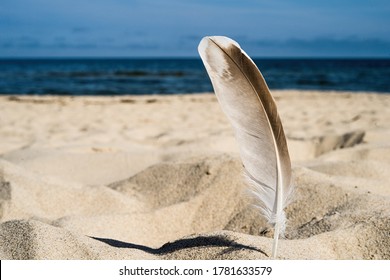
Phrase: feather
(248,104)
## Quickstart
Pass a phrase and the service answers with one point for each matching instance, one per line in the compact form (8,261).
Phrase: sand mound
(202,205)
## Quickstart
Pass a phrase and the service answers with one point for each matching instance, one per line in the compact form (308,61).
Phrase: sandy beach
(159,177)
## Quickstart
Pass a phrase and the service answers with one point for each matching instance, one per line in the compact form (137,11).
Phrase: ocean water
(170,76)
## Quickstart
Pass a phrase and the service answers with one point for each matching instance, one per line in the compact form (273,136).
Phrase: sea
(185,75)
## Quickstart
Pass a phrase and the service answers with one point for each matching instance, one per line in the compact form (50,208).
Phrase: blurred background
(116,47)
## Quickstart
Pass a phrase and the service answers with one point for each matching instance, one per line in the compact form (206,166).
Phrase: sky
(173,28)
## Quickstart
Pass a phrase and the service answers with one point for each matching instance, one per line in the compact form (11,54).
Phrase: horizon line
(181,57)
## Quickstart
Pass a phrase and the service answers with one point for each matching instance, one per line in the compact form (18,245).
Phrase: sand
(159,177)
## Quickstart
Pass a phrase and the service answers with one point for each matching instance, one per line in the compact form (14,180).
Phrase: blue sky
(173,28)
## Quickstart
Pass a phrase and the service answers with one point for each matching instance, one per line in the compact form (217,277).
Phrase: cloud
(20,42)
(80,29)
(186,46)
(35,43)
(318,47)
(66,43)
(324,46)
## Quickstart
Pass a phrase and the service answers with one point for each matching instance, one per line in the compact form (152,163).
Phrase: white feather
(245,99)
